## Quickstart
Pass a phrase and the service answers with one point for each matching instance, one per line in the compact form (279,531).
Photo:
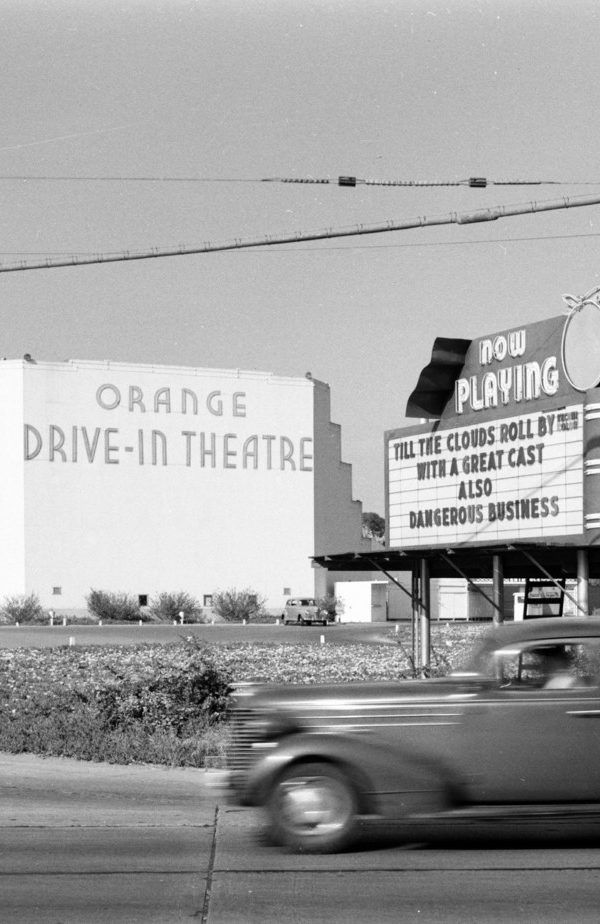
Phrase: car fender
(387,782)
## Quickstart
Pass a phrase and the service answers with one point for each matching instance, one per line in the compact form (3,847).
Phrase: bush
(110,607)
(23,609)
(150,704)
(235,605)
(167,607)
(331,603)
(167,695)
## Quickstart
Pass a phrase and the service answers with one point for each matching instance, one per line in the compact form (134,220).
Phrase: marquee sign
(517,477)
(505,460)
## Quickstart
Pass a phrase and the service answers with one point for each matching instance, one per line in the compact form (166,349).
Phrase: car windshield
(536,663)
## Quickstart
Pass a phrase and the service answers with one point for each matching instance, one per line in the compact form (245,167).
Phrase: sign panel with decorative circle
(581,340)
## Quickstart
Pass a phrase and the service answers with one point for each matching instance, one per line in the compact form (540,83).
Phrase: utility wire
(420,245)
(127,179)
(474,181)
(345,181)
(489,214)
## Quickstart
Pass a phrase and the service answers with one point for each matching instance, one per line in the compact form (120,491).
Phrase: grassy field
(167,704)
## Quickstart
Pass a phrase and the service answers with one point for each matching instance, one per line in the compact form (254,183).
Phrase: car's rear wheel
(313,808)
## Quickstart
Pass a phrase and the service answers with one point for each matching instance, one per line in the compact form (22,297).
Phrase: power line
(127,179)
(420,245)
(481,215)
(477,182)
(474,182)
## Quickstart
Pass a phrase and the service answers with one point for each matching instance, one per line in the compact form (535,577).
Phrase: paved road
(98,843)
(461,883)
(93,843)
(46,636)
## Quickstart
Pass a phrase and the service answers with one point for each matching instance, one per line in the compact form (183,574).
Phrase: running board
(550,811)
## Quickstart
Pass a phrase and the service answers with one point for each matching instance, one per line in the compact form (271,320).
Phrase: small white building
(147,479)
(362,601)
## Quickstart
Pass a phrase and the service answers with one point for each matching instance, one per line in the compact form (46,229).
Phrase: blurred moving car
(498,740)
(305,611)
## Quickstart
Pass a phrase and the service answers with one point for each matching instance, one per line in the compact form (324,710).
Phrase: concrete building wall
(12,495)
(338,517)
(147,479)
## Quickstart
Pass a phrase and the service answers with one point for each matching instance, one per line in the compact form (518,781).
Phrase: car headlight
(268,728)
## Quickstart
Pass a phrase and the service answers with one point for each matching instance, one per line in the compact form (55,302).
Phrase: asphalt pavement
(87,843)
(28,636)
(92,843)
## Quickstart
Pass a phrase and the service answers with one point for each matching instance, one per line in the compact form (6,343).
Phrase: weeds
(168,704)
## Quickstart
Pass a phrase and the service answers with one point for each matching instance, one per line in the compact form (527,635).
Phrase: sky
(206,99)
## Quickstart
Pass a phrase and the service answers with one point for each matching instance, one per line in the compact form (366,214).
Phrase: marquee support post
(583,581)
(416,609)
(413,593)
(498,589)
(425,620)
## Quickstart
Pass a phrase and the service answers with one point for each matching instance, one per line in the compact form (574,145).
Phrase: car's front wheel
(313,808)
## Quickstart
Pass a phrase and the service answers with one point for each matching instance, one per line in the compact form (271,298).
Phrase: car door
(530,742)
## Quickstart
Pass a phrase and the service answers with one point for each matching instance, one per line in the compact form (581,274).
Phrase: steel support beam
(391,577)
(416,609)
(416,606)
(425,621)
(470,582)
(498,589)
(583,581)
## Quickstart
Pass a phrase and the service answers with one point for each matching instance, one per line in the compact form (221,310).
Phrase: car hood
(271,695)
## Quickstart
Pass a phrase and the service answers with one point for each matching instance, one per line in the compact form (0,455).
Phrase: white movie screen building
(147,479)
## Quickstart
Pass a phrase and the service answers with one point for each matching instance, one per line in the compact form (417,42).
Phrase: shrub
(151,704)
(111,607)
(167,607)
(235,605)
(331,603)
(162,694)
(23,609)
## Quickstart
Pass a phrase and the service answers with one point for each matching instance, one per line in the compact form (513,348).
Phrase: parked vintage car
(305,611)
(515,734)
